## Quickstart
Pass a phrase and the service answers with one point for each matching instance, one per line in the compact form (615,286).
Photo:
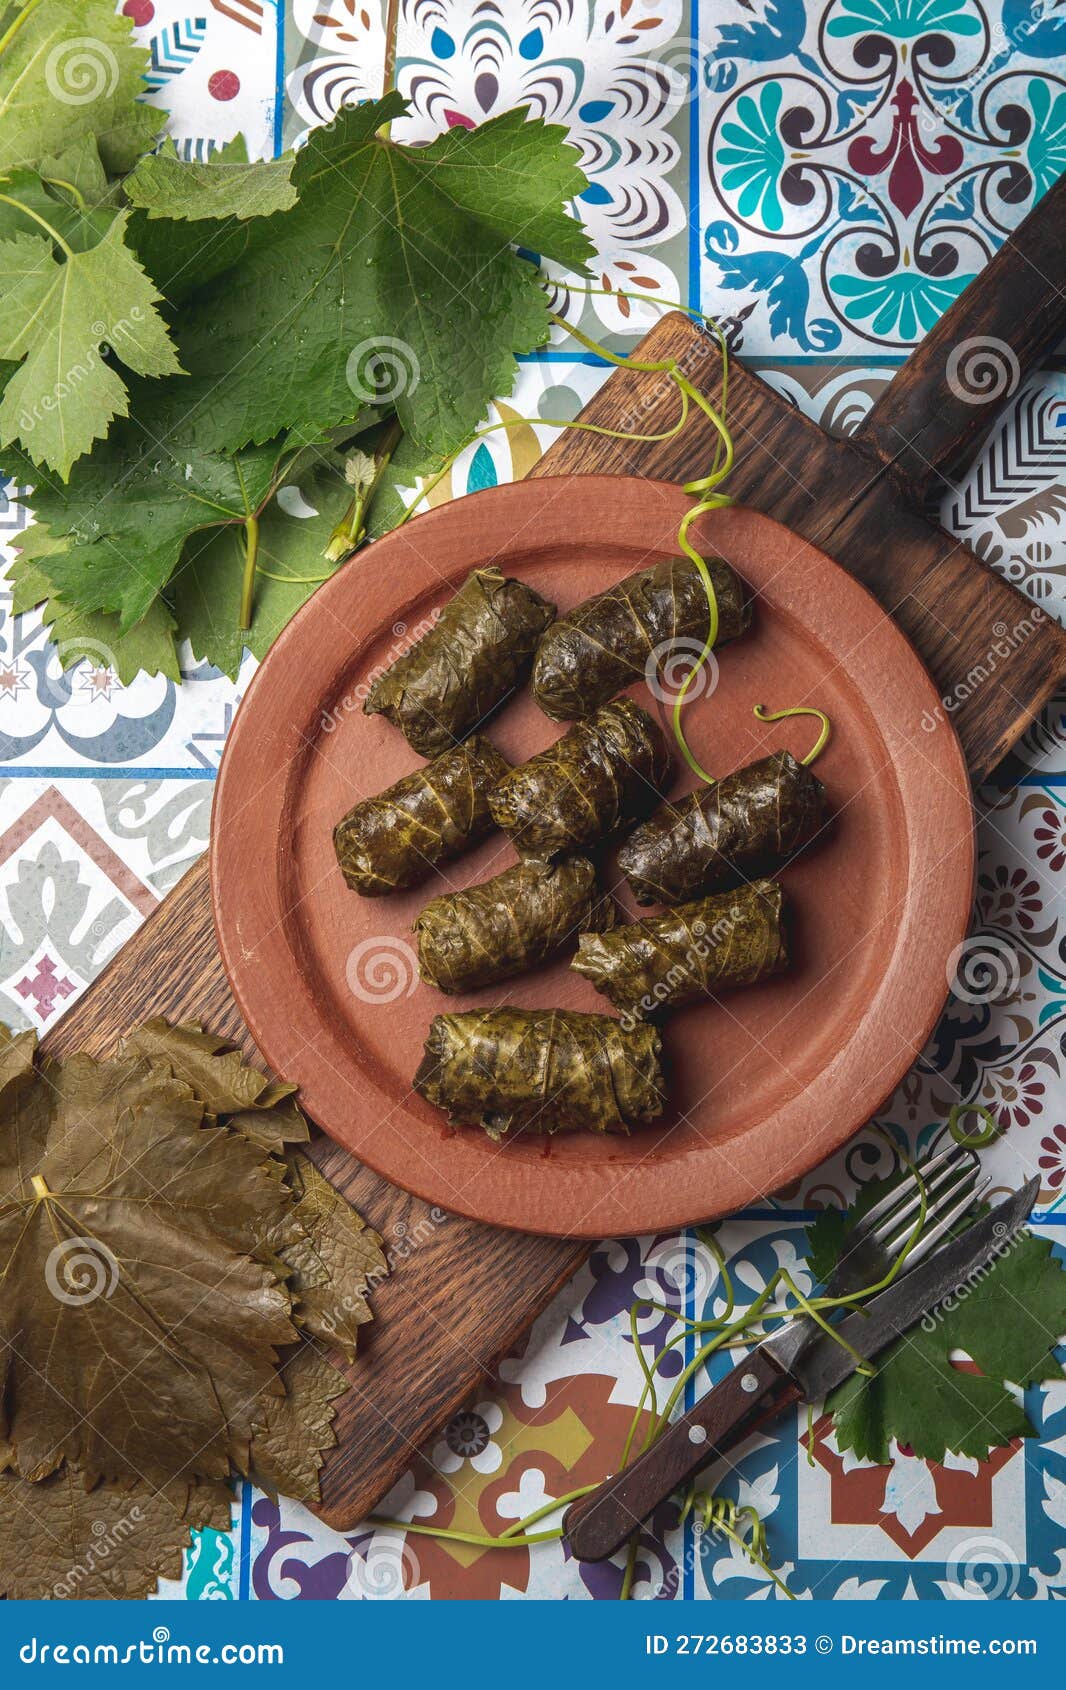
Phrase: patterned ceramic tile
(213,68)
(863,159)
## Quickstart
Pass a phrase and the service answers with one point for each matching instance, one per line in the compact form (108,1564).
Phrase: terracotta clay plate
(765,1082)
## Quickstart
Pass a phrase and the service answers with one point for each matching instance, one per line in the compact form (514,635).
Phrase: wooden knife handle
(933,415)
(599,1524)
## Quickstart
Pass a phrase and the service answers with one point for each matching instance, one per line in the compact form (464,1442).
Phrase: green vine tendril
(820,743)
(728,1330)
(973,1141)
(705,490)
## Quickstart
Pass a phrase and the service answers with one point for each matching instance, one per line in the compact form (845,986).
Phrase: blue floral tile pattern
(827,177)
(864,158)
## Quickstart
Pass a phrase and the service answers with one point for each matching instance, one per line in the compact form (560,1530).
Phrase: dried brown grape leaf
(16,1066)
(272,1125)
(113,1541)
(60,1540)
(332,1265)
(297,1428)
(225,1084)
(138,1330)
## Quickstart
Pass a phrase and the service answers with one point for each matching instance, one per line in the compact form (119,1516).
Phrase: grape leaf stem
(251,558)
(16,24)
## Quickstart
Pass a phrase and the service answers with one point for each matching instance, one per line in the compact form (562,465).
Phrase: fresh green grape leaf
(1014,1316)
(79,168)
(393,277)
(392,281)
(825,1241)
(1007,1319)
(92,635)
(71,70)
(178,257)
(921,1400)
(128,510)
(225,185)
(55,316)
(292,537)
(28,202)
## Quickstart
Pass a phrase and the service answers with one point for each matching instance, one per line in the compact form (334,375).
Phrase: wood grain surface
(463,1294)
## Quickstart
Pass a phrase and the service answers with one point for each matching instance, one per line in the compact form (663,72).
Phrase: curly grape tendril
(705,489)
(727,1331)
(820,743)
(978,1140)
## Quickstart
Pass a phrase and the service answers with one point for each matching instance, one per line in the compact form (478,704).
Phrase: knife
(780,1372)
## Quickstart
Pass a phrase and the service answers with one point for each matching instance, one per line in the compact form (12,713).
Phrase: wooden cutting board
(461,1295)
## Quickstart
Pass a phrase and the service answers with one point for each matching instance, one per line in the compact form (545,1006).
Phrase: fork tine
(964,1167)
(944,1222)
(891,1198)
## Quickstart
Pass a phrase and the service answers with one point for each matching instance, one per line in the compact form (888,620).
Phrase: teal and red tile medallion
(826,178)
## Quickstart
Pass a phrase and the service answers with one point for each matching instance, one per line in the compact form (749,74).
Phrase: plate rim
(277,1036)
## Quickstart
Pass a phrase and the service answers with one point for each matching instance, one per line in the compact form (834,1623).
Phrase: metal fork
(783,1369)
(951,1186)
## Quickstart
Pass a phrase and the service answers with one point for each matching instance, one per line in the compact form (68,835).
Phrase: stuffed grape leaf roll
(398,838)
(648,620)
(475,655)
(516,920)
(695,951)
(602,775)
(754,818)
(541,1070)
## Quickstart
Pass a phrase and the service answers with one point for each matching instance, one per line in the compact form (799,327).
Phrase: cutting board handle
(932,416)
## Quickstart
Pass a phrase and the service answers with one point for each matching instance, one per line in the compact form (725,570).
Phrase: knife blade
(766,1382)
